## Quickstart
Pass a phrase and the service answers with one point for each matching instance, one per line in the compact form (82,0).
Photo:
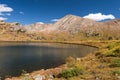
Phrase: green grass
(72,72)
(116,72)
(74,68)
(111,50)
(113,45)
(115,63)
(114,52)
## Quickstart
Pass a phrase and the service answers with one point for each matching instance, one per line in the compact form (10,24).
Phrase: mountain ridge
(71,26)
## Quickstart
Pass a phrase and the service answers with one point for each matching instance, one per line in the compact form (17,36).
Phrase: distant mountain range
(70,27)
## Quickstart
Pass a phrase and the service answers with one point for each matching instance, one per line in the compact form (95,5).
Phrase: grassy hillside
(101,65)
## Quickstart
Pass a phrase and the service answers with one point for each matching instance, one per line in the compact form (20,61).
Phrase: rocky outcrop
(37,27)
(16,27)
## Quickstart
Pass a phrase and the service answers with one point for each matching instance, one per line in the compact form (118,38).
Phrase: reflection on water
(34,56)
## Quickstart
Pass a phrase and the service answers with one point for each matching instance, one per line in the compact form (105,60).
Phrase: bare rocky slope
(73,26)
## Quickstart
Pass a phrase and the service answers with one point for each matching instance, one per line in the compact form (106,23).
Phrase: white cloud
(99,16)
(119,9)
(55,20)
(5,11)
(21,12)
(5,8)
(8,14)
(2,18)
(40,23)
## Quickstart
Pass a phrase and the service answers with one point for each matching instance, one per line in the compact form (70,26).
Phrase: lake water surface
(15,57)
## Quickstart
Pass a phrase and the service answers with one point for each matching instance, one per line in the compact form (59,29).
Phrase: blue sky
(48,11)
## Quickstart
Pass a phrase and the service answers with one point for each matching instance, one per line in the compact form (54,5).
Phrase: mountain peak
(71,15)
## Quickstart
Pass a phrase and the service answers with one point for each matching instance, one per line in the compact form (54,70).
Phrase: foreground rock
(48,74)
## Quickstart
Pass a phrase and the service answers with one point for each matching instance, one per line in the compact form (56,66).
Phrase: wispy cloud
(5,14)
(8,14)
(22,13)
(55,20)
(119,9)
(1,14)
(5,11)
(2,18)
(99,16)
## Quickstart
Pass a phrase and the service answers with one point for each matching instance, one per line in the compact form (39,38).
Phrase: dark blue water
(15,57)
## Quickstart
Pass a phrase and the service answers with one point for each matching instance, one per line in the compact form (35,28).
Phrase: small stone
(118,77)
(39,77)
(100,67)
(97,78)
(78,59)
(27,74)
(52,75)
